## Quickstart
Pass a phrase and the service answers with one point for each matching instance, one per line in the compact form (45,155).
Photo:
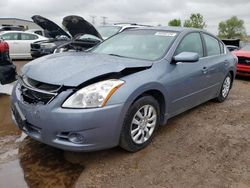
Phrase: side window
(191,43)
(26,36)
(39,33)
(212,44)
(10,36)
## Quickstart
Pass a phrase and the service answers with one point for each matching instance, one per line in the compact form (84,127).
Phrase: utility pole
(104,20)
(93,19)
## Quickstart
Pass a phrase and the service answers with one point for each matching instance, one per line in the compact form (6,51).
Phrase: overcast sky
(140,11)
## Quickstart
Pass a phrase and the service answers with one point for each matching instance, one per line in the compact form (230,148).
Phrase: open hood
(49,27)
(75,68)
(77,25)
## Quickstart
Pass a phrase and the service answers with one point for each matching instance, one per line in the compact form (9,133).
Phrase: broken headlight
(92,96)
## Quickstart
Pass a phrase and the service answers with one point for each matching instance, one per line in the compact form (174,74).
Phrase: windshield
(108,31)
(87,37)
(140,44)
(247,47)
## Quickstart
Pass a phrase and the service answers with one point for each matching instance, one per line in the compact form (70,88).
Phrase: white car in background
(19,43)
(107,31)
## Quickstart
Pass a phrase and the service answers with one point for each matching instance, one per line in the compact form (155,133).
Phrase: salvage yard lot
(206,147)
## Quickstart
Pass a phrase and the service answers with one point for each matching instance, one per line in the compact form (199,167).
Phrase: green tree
(175,22)
(196,21)
(232,28)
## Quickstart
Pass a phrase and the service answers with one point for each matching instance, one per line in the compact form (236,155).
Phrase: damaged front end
(40,93)
(35,92)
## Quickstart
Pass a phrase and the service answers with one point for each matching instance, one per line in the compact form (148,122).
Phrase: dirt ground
(206,147)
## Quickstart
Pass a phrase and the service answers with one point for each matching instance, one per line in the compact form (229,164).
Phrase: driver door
(187,83)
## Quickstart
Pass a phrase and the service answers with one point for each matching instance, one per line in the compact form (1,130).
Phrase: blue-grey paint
(183,85)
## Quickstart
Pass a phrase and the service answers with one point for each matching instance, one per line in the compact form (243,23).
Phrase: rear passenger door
(26,40)
(215,64)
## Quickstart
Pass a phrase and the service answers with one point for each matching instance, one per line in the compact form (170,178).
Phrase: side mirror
(186,57)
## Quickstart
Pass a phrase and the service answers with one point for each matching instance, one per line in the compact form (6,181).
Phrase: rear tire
(141,121)
(225,89)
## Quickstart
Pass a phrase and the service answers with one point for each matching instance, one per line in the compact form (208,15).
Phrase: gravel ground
(208,146)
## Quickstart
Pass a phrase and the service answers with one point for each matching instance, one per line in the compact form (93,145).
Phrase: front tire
(226,86)
(141,121)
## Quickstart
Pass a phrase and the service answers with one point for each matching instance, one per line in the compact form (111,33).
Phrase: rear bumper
(243,70)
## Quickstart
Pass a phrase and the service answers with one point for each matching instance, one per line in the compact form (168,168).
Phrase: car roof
(169,28)
(3,32)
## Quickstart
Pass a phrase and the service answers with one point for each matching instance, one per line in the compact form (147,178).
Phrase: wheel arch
(155,90)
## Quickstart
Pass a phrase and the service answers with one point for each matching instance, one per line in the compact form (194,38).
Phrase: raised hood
(77,25)
(75,68)
(49,27)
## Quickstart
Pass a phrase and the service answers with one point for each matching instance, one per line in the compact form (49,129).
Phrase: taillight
(4,47)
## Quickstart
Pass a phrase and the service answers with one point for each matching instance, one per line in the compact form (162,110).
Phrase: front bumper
(35,53)
(243,70)
(51,124)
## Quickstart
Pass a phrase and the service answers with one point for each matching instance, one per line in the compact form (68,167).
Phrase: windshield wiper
(116,55)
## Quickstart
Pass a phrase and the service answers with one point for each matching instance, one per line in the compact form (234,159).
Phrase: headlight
(48,45)
(92,96)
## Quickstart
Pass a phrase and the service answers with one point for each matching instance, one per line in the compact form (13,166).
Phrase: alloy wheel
(143,124)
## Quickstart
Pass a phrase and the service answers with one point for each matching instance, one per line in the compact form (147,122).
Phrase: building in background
(16,22)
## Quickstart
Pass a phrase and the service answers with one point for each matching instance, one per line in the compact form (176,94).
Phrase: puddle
(7,127)
(11,175)
(27,163)
(7,89)
(44,166)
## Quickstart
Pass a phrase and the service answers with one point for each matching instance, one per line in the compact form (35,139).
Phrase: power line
(93,19)
(104,20)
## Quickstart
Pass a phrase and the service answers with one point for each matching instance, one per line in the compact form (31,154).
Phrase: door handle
(204,70)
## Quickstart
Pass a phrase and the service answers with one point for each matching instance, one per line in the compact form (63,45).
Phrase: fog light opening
(76,138)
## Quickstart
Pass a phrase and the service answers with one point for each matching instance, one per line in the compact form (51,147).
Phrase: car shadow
(44,165)
(244,78)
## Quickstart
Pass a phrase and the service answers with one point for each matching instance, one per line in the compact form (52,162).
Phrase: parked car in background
(107,31)
(39,32)
(232,42)
(243,67)
(79,42)
(75,25)
(119,92)
(11,28)
(7,69)
(232,48)
(19,43)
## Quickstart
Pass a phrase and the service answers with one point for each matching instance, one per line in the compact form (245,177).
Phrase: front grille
(35,46)
(34,92)
(244,61)
(34,97)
